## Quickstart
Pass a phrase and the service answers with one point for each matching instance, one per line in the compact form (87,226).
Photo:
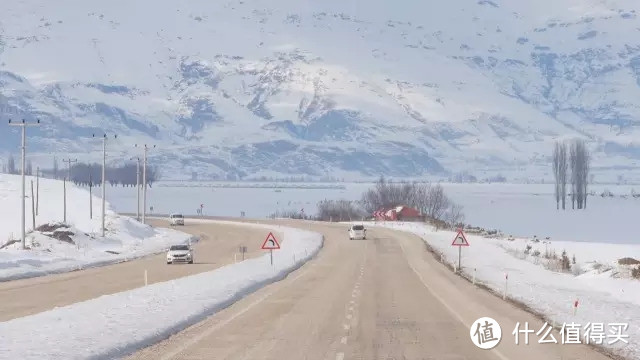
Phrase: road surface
(380,298)
(217,247)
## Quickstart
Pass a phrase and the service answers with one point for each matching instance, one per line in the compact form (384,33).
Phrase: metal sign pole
(271,252)
(459,257)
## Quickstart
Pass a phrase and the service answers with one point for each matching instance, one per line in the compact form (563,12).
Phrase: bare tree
(29,169)
(583,167)
(55,167)
(580,167)
(563,167)
(556,172)
(431,201)
(586,167)
(573,163)
(438,202)
(11,165)
(579,151)
(454,215)
(339,210)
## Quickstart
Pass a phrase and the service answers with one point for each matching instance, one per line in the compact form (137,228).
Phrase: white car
(180,253)
(357,232)
(176,219)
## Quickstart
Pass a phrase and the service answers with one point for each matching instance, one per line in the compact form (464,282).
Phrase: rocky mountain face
(250,88)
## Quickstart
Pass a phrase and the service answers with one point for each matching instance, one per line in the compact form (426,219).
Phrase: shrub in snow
(628,261)
(566,264)
(577,270)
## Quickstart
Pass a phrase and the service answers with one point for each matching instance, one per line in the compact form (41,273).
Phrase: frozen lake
(518,209)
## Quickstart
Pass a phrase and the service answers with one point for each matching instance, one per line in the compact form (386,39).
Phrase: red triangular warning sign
(270,243)
(460,239)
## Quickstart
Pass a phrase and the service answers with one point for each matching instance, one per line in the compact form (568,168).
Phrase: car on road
(180,254)
(176,219)
(357,232)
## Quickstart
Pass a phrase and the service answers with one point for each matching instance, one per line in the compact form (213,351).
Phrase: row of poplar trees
(571,158)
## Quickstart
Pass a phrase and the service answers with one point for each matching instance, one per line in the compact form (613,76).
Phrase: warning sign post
(460,240)
(270,243)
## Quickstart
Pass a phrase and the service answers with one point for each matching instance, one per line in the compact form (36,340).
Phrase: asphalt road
(216,248)
(380,298)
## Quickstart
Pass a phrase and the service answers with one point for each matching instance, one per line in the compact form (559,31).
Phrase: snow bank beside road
(602,299)
(79,245)
(115,325)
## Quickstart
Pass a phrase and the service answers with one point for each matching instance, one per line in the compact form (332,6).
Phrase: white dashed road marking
(340,356)
(343,340)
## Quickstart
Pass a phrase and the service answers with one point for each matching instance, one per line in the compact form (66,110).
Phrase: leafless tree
(438,202)
(454,215)
(563,168)
(431,201)
(387,195)
(55,167)
(573,162)
(29,169)
(580,167)
(586,168)
(11,165)
(339,210)
(556,172)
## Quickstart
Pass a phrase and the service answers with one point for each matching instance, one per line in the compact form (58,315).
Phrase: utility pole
(144,182)
(24,125)
(68,177)
(104,167)
(90,195)
(64,187)
(37,189)
(33,208)
(137,187)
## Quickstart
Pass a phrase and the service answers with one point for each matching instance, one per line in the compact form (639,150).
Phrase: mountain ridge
(247,88)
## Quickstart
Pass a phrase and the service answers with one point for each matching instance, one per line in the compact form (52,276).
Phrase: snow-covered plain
(603,297)
(125,238)
(519,209)
(112,326)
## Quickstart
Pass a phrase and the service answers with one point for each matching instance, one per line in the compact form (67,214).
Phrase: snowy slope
(50,251)
(251,87)
(604,296)
(94,328)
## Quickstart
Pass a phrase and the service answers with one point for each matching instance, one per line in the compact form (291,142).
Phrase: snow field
(125,238)
(115,325)
(602,298)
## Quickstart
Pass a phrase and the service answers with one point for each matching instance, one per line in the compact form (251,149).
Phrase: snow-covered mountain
(257,87)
